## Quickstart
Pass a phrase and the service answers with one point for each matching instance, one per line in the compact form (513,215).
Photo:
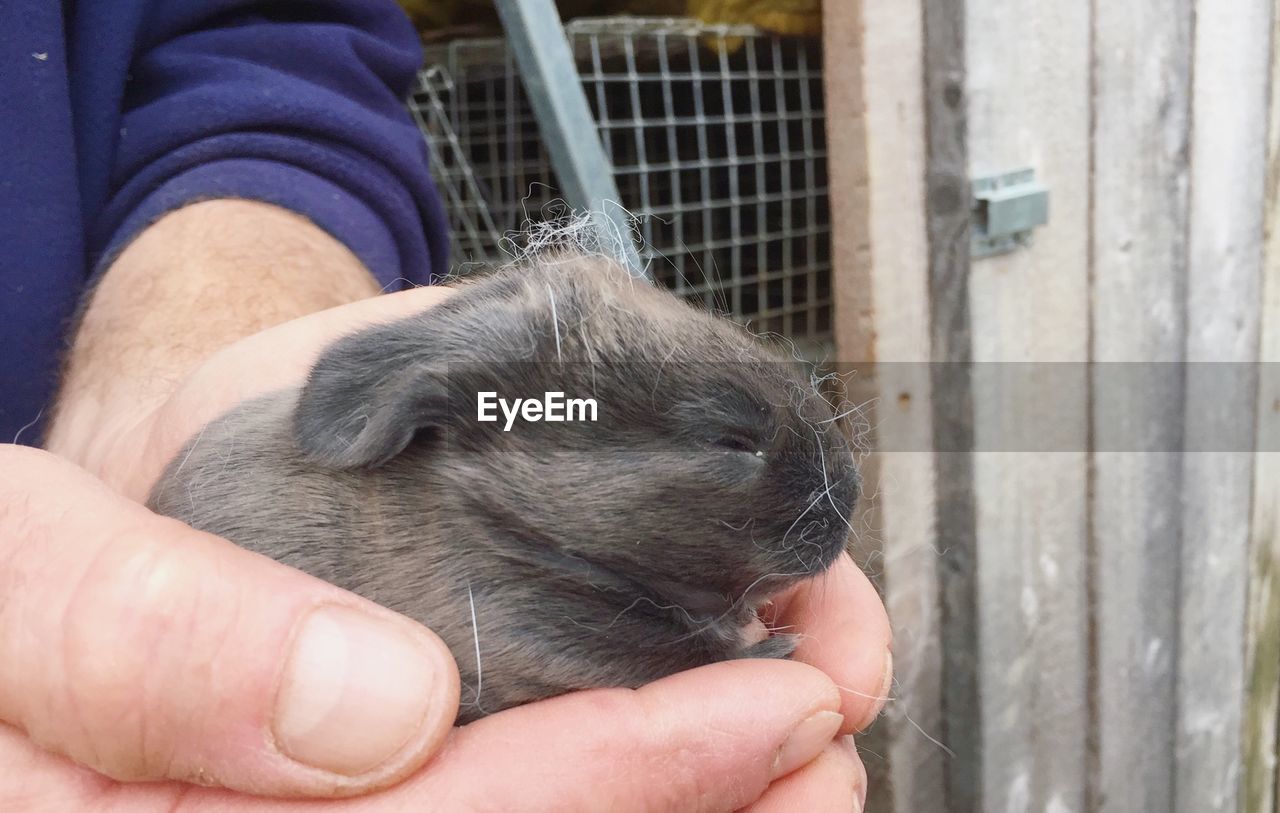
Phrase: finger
(844,632)
(273,359)
(703,741)
(146,650)
(709,739)
(35,780)
(835,782)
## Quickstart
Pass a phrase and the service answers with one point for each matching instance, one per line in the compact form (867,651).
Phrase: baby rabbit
(614,546)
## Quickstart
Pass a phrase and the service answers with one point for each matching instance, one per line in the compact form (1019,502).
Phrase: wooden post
(1224,275)
(897,160)
(853,322)
(951,346)
(876,127)
(1027,84)
(1141,121)
(1262,655)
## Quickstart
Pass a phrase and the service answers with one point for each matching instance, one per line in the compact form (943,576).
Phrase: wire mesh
(716,135)
(473,231)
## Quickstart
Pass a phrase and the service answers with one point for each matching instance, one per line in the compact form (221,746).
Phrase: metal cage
(716,136)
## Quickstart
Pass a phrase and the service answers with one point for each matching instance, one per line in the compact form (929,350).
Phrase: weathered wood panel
(843,50)
(947,227)
(894,121)
(854,324)
(1223,287)
(1262,656)
(1141,103)
(1094,627)
(1028,93)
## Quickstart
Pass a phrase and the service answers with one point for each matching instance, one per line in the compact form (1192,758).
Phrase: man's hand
(146,650)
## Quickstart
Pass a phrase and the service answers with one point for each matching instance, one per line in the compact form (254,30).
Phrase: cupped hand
(134,648)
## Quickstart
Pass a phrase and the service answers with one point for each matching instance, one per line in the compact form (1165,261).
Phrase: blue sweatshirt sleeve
(299,104)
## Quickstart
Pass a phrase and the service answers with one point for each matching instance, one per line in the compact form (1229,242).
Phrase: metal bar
(564,119)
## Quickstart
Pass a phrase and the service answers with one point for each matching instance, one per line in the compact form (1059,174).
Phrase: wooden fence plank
(947,226)
(893,88)
(1141,101)
(1262,655)
(853,320)
(1227,164)
(1223,287)
(843,55)
(1028,93)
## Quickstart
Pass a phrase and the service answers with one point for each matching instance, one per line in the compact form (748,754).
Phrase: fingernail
(886,683)
(355,690)
(860,778)
(806,741)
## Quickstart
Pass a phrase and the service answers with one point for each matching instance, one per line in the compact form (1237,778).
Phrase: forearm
(197,280)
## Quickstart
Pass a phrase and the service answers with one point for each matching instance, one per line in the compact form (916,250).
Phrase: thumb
(147,650)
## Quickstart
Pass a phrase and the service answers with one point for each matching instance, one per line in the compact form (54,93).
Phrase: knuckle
(20,533)
(670,748)
(131,654)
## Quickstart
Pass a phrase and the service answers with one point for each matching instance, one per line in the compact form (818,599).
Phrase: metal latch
(1006,208)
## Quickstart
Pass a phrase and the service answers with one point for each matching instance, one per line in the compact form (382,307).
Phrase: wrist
(91,433)
(197,280)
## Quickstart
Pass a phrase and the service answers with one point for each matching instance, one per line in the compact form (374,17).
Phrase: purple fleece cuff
(326,204)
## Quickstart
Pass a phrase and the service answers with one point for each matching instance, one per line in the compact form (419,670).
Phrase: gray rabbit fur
(573,554)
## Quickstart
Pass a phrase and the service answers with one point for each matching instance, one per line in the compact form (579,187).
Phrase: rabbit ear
(367,396)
